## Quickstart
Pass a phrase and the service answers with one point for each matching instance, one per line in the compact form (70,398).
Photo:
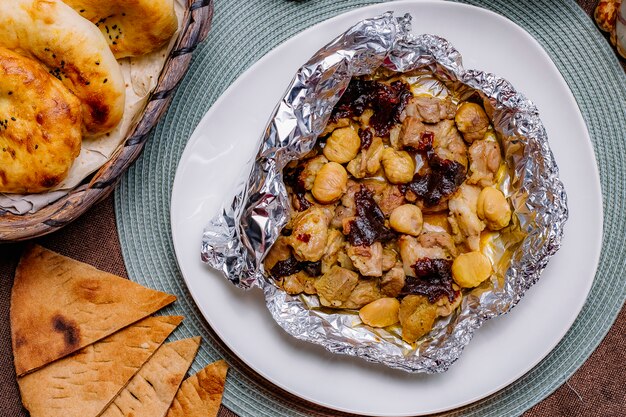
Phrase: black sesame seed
(105,80)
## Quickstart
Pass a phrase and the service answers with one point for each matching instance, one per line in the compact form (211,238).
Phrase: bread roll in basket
(193,30)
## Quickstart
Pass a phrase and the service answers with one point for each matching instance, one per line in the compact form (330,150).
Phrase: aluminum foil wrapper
(236,240)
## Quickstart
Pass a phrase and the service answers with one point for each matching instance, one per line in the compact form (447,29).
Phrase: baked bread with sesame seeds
(40,126)
(131,28)
(73,50)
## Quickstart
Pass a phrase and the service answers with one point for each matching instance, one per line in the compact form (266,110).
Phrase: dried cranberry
(433,279)
(366,138)
(387,102)
(285,268)
(443,180)
(369,225)
(292,266)
(291,177)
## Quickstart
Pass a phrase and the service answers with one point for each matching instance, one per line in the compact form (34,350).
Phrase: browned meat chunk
(367,163)
(367,259)
(411,133)
(310,170)
(335,286)
(430,109)
(334,244)
(485,161)
(310,233)
(390,257)
(393,281)
(417,317)
(298,283)
(366,291)
(445,307)
(448,144)
(464,220)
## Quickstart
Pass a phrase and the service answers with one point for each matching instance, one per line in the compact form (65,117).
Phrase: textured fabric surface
(245,31)
(596,389)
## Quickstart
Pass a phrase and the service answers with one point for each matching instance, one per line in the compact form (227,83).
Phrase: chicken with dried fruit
(390,206)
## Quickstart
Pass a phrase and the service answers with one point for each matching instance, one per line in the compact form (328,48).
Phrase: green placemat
(243,31)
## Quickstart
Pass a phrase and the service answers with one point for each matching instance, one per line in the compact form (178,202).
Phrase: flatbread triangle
(200,395)
(60,305)
(151,391)
(85,383)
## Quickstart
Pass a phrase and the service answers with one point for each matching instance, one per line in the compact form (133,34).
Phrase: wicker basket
(195,28)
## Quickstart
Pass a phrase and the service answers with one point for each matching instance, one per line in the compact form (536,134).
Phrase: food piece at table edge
(406,228)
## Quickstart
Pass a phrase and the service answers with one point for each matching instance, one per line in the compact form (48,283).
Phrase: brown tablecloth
(598,388)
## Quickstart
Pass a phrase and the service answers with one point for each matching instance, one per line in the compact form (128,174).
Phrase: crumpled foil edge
(236,240)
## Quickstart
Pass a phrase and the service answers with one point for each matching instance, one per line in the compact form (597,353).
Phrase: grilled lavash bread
(152,389)
(200,395)
(74,50)
(40,126)
(131,28)
(84,384)
(59,306)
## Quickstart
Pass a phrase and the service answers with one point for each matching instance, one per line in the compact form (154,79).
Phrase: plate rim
(599,214)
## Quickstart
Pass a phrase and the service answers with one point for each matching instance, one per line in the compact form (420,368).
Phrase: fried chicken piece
(393,281)
(335,286)
(310,233)
(465,223)
(367,259)
(366,291)
(298,283)
(334,244)
(430,109)
(367,163)
(485,159)
(417,317)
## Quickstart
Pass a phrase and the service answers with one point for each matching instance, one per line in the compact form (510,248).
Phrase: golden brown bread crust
(200,395)
(59,306)
(40,126)
(131,28)
(85,383)
(74,51)
(151,391)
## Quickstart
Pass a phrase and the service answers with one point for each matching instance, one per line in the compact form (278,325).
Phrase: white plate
(502,350)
